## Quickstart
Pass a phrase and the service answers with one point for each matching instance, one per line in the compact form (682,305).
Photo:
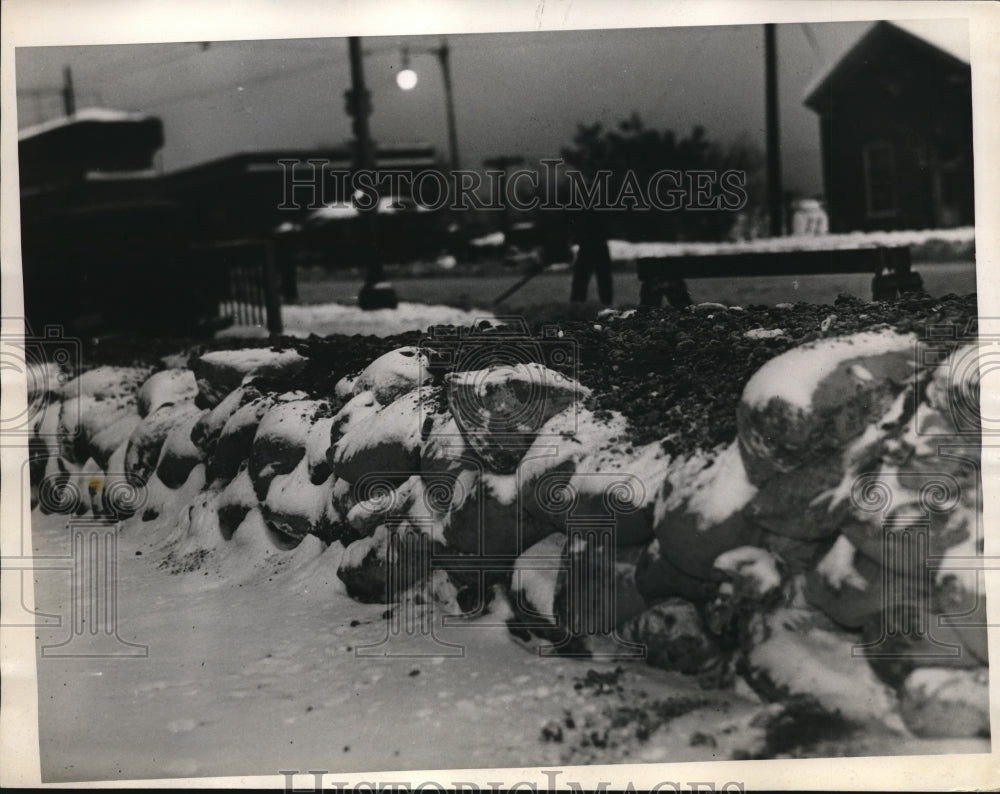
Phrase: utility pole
(775,203)
(68,95)
(444,56)
(375,294)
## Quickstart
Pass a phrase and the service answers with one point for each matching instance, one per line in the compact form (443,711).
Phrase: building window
(880,179)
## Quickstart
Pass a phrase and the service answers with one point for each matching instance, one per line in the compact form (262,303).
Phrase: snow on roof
(103,115)
(948,35)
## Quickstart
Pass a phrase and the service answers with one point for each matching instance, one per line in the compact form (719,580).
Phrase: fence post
(272,292)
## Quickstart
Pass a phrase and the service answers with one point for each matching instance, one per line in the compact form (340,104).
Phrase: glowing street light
(407,78)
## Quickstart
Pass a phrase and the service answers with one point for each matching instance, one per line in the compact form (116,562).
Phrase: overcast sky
(515,93)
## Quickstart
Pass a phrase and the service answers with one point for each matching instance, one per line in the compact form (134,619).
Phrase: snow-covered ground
(336,318)
(254,666)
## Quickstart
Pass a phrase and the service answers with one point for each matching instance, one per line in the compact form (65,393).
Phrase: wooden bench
(664,276)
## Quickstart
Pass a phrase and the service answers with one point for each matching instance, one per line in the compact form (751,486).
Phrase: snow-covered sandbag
(959,590)
(377,569)
(63,488)
(280,441)
(165,388)
(120,495)
(942,702)
(657,578)
(235,501)
(582,465)
(105,383)
(846,586)
(356,409)
(221,371)
(699,510)
(797,556)
(317,447)
(102,444)
(205,433)
(954,389)
(573,592)
(235,439)
(384,442)
(674,636)
(381,502)
(501,409)
(891,508)
(393,374)
(443,448)
(756,576)
(295,505)
(179,454)
(794,652)
(86,418)
(816,398)
(486,516)
(146,441)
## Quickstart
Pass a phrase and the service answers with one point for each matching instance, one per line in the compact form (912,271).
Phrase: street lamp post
(375,294)
(406,79)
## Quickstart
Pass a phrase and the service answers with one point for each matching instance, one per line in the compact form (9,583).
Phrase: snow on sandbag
(580,466)
(501,409)
(179,455)
(235,439)
(546,604)
(317,447)
(235,501)
(954,389)
(942,702)
(205,433)
(846,586)
(385,442)
(793,652)
(673,635)
(486,516)
(699,510)
(355,410)
(379,502)
(751,580)
(120,495)
(146,441)
(165,388)
(102,444)
(816,398)
(296,506)
(342,497)
(63,489)
(106,383)
(909,506)
(221,371)
(281,438)
(85,418)
(756,576)
(960,591)
(377,569)
(393,374)
(443,448)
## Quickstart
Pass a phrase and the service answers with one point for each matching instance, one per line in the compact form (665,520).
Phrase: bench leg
(677,293)
(650,294)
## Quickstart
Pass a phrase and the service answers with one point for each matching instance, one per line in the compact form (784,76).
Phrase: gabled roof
(938,39)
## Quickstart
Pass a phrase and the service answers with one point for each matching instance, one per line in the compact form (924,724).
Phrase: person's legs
(582,269)
(605,289)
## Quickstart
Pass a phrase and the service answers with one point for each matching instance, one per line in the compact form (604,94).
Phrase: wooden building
(895,118)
